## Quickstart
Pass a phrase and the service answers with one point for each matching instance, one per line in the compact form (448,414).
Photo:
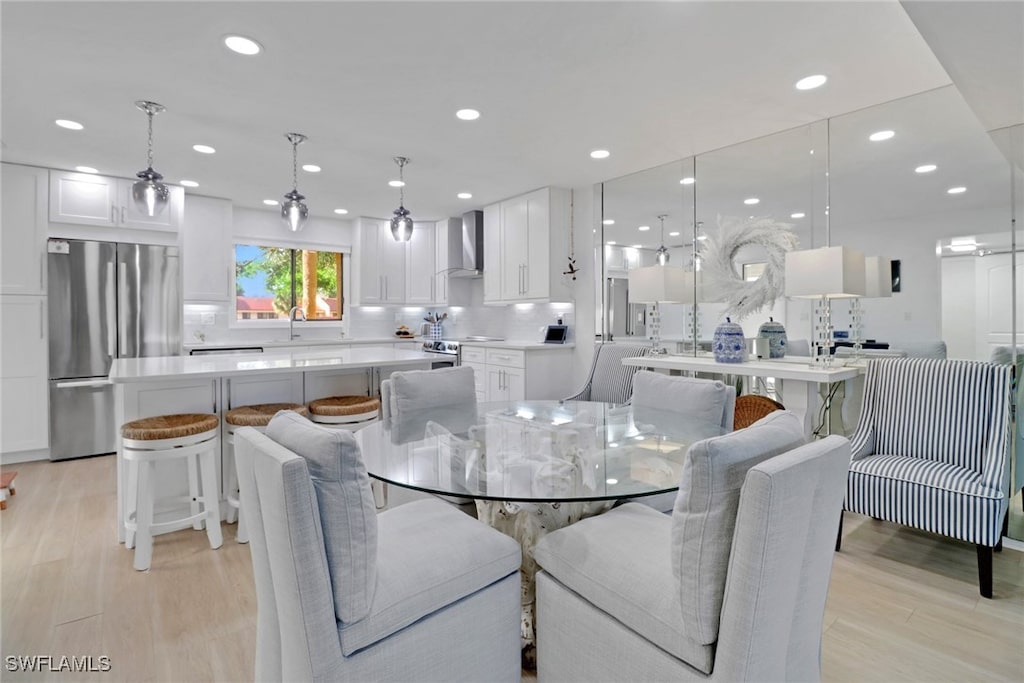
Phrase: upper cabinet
(88,199)
(526,242)
(421,265)
(23,226)
(207,263)
(381,264)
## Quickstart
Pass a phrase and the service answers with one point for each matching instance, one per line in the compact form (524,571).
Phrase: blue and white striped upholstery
(611,381)
(930,448)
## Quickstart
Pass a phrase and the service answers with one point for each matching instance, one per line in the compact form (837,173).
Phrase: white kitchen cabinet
(528,237)
(90,199)
(504,373)
(207,253)
(24,399)
(443,232)
(23,224)
(421,265)
(381,264)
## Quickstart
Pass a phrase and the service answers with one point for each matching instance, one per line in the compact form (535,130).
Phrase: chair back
(296,631)
(949,411)
(780,565)
(611,381)
(418,390)
(750,408)
(705,400)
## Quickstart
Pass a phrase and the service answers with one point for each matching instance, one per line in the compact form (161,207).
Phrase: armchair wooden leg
(985,570)
(839,534)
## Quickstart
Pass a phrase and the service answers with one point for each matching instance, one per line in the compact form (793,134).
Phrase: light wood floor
(903,605)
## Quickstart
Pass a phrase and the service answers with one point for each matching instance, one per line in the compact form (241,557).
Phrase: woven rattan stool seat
(750,408)
(169,426)
(259,415)
(341,406)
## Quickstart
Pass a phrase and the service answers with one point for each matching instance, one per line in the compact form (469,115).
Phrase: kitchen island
(145,387)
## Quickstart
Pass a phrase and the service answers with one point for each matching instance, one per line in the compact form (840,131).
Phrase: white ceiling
(366,81)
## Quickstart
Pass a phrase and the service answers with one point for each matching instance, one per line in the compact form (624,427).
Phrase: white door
(207,253)
(514,247)
(493,263)
(537,259)
(993,289)
(24,420)
(420,265)
(392,265)
(83,198)
(441,262)
(515,384)
(496,390)
(23,224)
(371,282)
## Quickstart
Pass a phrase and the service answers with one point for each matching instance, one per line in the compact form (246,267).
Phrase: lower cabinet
(516,374)
(24,390)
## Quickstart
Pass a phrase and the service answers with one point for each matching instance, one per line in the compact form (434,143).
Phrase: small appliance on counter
(556,334)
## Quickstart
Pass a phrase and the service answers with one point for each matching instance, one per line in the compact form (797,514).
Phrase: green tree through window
(270,280)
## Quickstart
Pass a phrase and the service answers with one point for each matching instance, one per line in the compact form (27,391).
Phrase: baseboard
(1013,544)
(24,456)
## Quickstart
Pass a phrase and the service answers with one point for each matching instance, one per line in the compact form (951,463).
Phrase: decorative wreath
(718,263)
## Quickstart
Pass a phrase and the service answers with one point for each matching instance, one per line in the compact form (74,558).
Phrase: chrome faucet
(293,313)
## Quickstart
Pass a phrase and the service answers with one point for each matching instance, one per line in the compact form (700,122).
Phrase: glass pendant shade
(662,255)
(149,194)
(294,212)
(401,222)
(401,225)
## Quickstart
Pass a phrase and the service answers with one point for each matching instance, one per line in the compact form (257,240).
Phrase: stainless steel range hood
(466,247)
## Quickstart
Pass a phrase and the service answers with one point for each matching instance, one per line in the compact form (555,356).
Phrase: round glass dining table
(533,466)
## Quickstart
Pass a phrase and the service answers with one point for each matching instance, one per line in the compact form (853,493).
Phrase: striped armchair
(610,381)
(930,450)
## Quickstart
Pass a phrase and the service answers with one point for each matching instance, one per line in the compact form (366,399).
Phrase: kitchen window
(269,281)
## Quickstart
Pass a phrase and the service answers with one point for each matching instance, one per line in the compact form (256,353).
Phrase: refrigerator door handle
(83,383)
(111,325)
(122,285)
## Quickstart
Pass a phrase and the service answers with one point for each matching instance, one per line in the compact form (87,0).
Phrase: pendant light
(294,211)
(662,252)
(401,222)
(148,193)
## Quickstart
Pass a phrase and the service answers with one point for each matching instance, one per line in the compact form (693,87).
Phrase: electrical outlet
(208,318)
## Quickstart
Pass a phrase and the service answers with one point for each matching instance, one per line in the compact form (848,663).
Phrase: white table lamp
(660,284)
(825,274)
(877,284)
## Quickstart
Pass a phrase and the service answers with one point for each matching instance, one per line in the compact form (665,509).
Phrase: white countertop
(284,343)
(155,368)
(782,368)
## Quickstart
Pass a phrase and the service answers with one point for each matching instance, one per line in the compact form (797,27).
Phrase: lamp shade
(661,284)
(877,277)
(830,272)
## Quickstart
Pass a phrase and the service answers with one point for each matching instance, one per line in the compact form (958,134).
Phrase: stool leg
(132,503)
(211,497)
(231,484)
(144,516)
(380,493)
(241,532)
(193,492)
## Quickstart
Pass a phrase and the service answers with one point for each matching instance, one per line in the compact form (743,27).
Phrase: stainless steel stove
(444,347)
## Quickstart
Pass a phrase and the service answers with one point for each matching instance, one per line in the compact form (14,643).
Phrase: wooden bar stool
(257,416)
(146,442)
(345,412)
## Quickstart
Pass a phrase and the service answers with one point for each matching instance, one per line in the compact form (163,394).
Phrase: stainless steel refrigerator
(106,301)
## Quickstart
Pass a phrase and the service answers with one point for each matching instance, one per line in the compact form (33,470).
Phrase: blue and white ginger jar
(775,333)
(729,345)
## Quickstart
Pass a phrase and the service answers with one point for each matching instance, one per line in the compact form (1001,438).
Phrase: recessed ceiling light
(797,215)
(270,202)
(310,168)
(204,149)
(751,200)
(701,238)
(608,221)
(70,125)
(643,228)
(637,246)
(811,82)
(926,168)
(465,195)
(86,169)
(881,135)
(468,114)
(188,183)
(600,154)
(612,243)
(242,45)
(396,183)
(611,482)
(956,190)
(687,181)
(341,211)
(673,234)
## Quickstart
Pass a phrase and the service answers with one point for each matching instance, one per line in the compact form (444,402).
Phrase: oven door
(444,361)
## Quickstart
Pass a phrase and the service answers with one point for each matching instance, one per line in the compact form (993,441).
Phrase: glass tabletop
(541,451)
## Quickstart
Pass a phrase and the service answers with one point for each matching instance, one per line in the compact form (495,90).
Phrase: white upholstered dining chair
(732,587)
(421,592)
